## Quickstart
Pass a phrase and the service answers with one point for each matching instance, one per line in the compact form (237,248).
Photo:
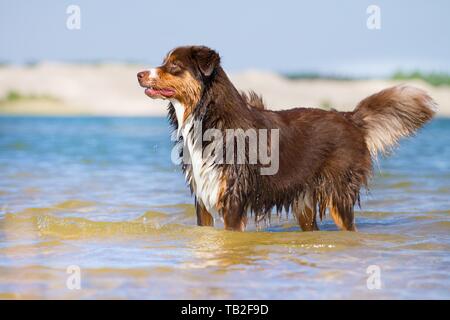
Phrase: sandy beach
(112,89)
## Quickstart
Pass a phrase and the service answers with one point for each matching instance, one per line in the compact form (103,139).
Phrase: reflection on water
(101,193)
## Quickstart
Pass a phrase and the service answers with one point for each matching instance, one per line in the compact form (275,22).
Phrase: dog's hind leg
(306,215)
(344,219)
(204,218)
(307,219)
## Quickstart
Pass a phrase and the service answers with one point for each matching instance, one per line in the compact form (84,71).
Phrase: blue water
(103,193)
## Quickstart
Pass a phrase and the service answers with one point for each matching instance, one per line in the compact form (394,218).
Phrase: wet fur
(325,156)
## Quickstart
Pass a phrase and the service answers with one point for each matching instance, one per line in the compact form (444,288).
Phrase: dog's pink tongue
(161,92)
(151,92)
(167,92)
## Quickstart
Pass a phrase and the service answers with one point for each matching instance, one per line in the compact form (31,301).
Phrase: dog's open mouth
(159,92)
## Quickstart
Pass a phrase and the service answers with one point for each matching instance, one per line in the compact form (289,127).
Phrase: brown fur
(325,156)
(391,114)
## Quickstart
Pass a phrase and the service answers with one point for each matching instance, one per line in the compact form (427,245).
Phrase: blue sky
(317,36)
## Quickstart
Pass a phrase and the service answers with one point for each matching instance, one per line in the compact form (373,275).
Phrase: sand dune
(112,89)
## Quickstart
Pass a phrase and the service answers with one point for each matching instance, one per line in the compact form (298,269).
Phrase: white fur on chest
(204,176)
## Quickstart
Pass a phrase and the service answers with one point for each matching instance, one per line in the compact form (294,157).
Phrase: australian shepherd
(323,158)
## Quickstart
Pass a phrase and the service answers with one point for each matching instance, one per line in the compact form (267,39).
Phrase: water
(102,194)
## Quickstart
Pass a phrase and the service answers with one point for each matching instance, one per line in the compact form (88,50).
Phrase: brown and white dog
(325,157)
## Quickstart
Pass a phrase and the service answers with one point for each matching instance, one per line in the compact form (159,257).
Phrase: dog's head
(182,76)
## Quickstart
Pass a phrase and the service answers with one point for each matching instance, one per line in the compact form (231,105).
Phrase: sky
(328,37)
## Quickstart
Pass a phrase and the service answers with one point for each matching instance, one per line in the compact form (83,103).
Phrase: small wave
(401,185)
(75,204)
(75,227)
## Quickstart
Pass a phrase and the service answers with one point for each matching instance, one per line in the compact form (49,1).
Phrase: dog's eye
(174,68)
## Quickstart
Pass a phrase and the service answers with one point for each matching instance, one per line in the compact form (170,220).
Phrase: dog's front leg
(204,218)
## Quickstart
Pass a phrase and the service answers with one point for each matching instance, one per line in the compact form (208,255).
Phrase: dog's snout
(142,75)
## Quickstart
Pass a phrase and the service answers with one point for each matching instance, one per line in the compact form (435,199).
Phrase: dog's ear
(207,60)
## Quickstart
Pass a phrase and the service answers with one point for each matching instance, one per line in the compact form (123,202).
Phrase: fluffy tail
(391,114)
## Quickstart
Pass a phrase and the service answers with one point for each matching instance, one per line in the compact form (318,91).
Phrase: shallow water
(102,194)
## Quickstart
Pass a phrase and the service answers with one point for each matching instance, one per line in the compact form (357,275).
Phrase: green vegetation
(433,78)
(313,76)
(15,96)
(325,104)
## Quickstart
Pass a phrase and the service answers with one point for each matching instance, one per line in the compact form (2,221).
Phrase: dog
(324,157)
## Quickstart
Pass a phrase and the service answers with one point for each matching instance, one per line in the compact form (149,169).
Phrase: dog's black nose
(141,75)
